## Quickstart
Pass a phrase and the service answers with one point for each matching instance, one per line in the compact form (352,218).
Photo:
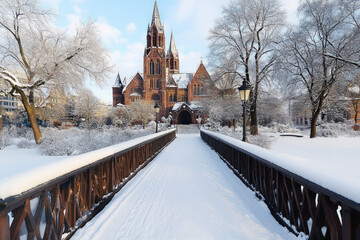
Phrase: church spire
(118,82)
(156,18)
(172,47)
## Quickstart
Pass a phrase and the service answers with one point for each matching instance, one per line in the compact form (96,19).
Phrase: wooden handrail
(63,204)
(308,207)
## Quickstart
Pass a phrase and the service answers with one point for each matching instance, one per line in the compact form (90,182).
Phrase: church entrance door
(184,117)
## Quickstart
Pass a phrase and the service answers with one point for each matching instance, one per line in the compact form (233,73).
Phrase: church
(161,81)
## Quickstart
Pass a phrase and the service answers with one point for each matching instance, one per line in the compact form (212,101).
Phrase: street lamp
(1,122)
(244,96)
(157,109)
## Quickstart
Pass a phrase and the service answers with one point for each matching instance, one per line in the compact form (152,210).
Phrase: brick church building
(162,82)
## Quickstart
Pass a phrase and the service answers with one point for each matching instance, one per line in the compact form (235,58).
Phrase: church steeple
(118,82)
(172,56)
(156,18)
(172,47)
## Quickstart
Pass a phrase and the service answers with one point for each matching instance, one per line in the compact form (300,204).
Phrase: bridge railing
(55,209)
(297,203)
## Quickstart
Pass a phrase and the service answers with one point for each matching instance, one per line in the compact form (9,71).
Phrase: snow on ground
(23,169)
(333,163)
(187,192)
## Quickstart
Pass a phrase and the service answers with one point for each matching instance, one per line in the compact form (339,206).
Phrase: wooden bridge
(58,208)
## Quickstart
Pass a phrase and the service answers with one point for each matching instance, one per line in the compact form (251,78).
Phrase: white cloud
(190,62)
(131,27)
(130,61)
(108,33)
(74,22)
(77,9)
(53,4)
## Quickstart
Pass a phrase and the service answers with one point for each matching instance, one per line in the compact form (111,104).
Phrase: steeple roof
(156,18)
(118,82)
(172,47)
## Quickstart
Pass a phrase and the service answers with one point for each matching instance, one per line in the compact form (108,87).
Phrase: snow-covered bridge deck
(187,192)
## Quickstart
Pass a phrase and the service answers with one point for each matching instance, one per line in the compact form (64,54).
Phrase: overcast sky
(122,26)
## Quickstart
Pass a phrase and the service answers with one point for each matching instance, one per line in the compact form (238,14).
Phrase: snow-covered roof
(182,79)
(172,47)
(177,106)
(135,94)
(354,89)
(118,82)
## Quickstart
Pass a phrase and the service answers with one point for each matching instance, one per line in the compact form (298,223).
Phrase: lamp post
(1,122)
(157,109)
(244,91)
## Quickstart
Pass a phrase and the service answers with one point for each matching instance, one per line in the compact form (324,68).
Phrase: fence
(68,202)
(297,203)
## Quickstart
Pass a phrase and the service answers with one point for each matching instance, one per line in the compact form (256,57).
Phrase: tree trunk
(356,114)
(254,130)
(314,117)
(253,120)
(32,118)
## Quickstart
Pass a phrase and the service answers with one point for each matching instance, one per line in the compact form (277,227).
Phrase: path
(187,192)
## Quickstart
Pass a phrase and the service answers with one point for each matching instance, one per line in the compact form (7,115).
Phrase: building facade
(161,81)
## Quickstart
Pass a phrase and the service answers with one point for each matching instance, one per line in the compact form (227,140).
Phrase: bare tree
(142,111)
(246,35)
(323,26)
(49,57)
(349,53)
(87,107)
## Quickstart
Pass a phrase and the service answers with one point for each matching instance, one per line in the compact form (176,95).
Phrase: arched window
(151,84)
(155,98)
(154,39)
(171,97)
(158,84)
(194,89)
(157,67)
(171,63)
(151,67)
(175,65)
(198,90)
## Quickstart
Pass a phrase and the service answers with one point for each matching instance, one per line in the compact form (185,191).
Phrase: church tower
(118,87)
(155,62)
(172,57)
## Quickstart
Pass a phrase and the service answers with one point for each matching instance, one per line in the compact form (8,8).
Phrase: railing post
(4,227)
(347,231)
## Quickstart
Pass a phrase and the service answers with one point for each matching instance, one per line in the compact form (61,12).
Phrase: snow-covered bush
(275,127)
(26,143)
(261,141)
(212,125)
(5,137)
(75,141)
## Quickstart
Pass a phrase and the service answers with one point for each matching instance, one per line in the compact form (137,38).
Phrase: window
(158,84)
(194,89)
(171,97)
(154,39)
(198,90)
(151,67)
(159,41)
(175,65)
(171,63)
(157,67)
(151,84)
